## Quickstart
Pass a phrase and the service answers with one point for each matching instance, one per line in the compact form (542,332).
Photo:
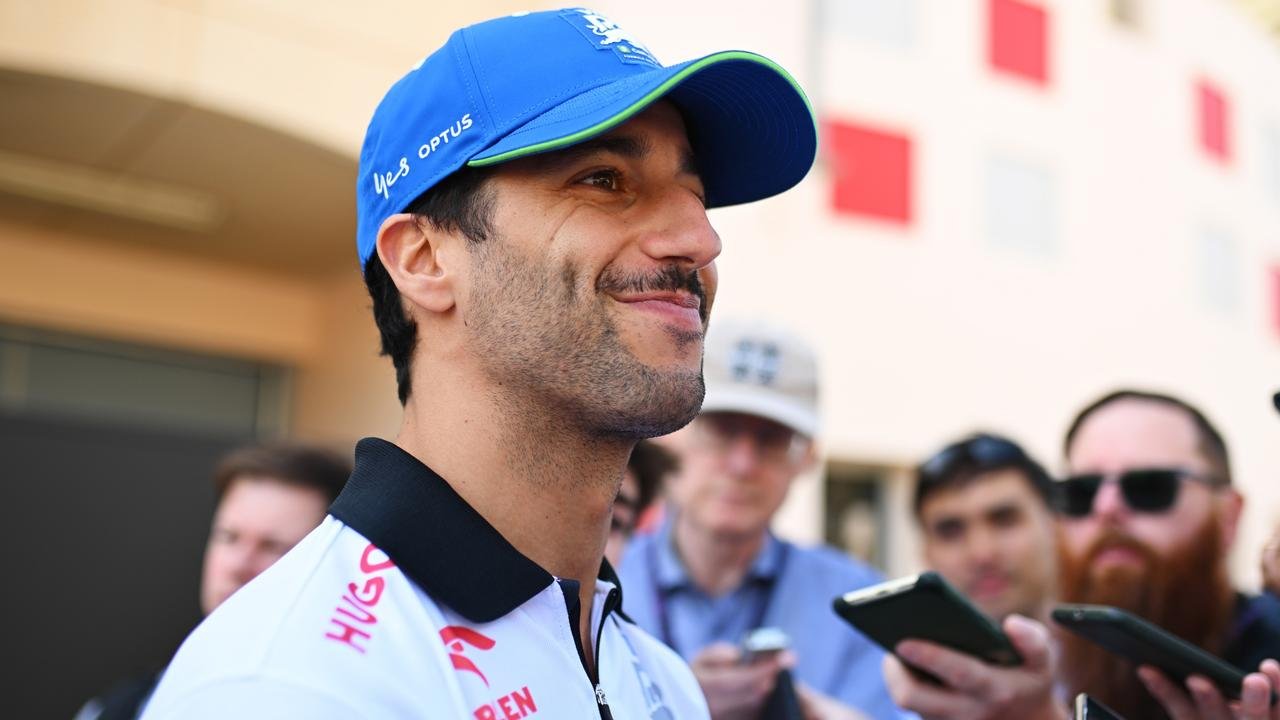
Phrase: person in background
(714,571)
(642,482)
(985,511)
(1148,514)
(268,497)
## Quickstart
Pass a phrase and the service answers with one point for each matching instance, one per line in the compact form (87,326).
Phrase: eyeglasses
(771,441)
(1148,490)
(983,450)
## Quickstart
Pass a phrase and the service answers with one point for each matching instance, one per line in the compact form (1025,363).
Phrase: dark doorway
(104,528)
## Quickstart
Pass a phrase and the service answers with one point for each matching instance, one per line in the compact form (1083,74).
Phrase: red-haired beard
(1187,593)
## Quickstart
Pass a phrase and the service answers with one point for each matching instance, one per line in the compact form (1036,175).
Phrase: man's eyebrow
(627,146)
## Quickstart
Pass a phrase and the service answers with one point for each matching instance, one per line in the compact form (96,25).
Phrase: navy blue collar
(436,538)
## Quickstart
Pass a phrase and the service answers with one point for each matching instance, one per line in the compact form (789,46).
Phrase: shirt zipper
(574,607)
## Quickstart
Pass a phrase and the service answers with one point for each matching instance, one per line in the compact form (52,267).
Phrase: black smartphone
(1089,709)
(926,607)
(1143,643)
(783,703)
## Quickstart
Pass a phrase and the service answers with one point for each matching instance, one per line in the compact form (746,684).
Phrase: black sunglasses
(1149,490)
(982,450)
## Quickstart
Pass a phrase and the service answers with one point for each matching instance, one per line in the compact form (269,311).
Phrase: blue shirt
(787,587)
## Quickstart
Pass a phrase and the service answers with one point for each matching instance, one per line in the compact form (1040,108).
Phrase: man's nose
(1109,504)
(982,546)
(681,232)
(742,454)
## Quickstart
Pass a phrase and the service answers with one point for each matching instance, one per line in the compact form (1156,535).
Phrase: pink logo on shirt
(355,611)
(454,636)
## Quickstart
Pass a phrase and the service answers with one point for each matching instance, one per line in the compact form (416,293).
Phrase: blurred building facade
(1020,204)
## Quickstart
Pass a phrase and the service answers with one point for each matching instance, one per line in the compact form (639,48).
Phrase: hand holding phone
(1144,643)
(926,607)
(735,688)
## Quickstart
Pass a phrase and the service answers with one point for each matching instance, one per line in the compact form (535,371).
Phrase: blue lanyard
(760,611)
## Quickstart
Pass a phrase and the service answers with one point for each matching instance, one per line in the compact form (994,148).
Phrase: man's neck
(716,563)
(547,489)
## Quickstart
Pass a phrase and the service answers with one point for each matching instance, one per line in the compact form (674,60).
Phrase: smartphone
(783,703)
(763,642)
(1089,709)
(926,607)
(1146,644)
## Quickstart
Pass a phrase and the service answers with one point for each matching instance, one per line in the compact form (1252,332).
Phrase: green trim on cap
(644,102)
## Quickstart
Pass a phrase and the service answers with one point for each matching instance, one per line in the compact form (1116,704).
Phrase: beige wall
(345,391)
(76,285)
(321,327)
(314,69)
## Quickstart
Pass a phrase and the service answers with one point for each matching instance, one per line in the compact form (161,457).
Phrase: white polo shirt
(405,603)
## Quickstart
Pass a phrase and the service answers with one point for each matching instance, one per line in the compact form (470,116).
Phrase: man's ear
(1230,507)
(419,260)
(809,460)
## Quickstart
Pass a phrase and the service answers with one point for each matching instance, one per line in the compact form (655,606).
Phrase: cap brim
(750,124)
(753,401)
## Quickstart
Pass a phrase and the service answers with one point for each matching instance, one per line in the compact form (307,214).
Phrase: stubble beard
(1188,594)
(555,356)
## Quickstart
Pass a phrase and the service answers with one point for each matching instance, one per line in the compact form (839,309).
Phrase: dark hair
(1211,445)
(457,203)
(961,462)
(650,463)
(289,463)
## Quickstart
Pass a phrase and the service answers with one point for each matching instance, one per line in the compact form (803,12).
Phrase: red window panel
(1018,39)
(1213,120)
(872,171)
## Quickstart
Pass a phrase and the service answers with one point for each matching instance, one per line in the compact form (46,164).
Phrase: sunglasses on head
(1148,490)
(982,450)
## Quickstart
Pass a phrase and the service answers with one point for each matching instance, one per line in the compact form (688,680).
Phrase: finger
(1255,697)
(1271,669)
(809,708)
(956,670)
(1031,639)
(1176,702)
(927,700)
(1208,699)
(717,655)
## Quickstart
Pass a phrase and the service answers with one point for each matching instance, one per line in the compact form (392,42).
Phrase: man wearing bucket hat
(532,228)
(714,572)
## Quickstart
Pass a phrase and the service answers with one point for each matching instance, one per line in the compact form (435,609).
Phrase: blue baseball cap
(534,82)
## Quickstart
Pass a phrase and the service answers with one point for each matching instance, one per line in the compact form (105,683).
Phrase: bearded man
(1149,515)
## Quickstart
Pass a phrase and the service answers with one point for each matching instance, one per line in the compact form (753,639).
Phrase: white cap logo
(755,362)
(605,34)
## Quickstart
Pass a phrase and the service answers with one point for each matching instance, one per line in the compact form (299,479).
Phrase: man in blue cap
(532,228)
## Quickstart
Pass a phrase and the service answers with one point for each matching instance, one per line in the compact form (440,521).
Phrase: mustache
(669,278)
(1116,539)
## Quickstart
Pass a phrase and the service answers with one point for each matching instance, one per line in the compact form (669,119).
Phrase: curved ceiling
(117,166)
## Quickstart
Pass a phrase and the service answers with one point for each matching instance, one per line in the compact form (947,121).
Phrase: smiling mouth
(679,299)
(682,310)
(670,289)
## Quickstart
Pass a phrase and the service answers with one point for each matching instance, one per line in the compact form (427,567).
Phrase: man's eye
(603,179)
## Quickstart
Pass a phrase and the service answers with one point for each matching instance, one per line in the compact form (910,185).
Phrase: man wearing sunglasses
(1148,517)
(713,572)
(1148,514)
